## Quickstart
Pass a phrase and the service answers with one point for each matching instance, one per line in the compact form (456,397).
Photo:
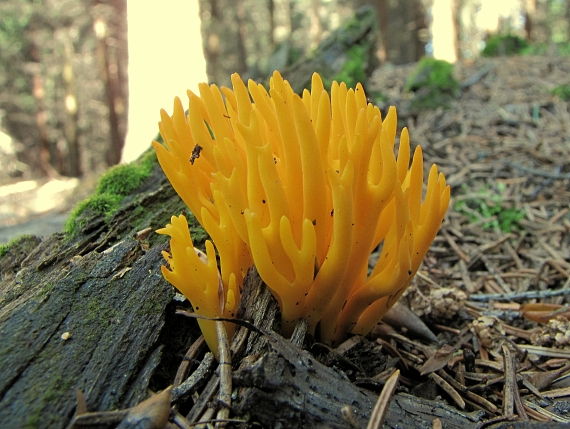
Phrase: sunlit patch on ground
(29,200)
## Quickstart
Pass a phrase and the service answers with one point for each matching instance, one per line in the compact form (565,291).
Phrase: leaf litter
(495,285)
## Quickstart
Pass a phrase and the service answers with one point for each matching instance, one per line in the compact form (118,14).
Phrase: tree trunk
(210,38)
(111,32)
(541,30)
(382,11)
(529,16)
(241,65)
(403,26)
(332,54)
(45,156)
(316,29)
(271,10)
(73,159)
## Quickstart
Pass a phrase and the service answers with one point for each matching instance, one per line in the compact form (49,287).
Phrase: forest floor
(497,276)
(494,283)
(37,207)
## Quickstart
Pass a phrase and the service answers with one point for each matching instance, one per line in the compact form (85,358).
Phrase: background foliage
(63,63)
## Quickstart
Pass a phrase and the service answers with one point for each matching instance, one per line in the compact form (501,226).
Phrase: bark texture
(103,291)
(93,312)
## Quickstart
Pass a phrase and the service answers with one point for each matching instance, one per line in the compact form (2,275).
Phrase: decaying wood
(332,54)
(114,322)
(94,313)
(288,387)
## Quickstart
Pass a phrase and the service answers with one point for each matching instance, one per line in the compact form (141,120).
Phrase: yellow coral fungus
(305,188)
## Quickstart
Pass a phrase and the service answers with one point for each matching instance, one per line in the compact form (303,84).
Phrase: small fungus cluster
(305,188)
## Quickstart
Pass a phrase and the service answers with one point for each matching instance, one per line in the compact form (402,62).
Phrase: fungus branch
(304,187)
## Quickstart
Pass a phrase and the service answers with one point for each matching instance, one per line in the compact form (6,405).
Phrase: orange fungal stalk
(304,187)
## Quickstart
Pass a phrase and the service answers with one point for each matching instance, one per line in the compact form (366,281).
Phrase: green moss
(139,217)
(121,180)
(46,289)
(96,204)
(433,84)
(58,387)
(562,92)
(353,70)
(561,49)
(98,312)
(351,47)
(124,179)
(151,306)
(32,422)
(114,185)
(504,45)
(18,241)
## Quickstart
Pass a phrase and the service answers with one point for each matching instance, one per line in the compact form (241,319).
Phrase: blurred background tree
(63,63)
(64,84)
